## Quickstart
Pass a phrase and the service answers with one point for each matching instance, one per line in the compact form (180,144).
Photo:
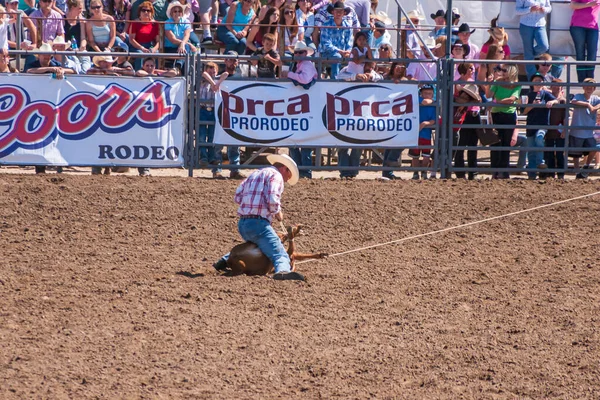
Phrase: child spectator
(427,118)
(267,25)
(303,72)
(149,69)
(468,136)
(360,53)
(555,137)
(544,67)
(269,59)
(584,115)
(538,95)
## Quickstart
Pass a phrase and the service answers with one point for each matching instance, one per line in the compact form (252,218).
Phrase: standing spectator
(585,112)
(325,15)
(269,59)
(464,36)
(458,52)
(555,137)
(468,136)
(532,28)
(380,36)
(233,33)
(100,29)
(413,44)
(177,35)
(504,91)
(336,43)
(144,33)
(439,18)
(290,30)
(486,71)
(584,31)
(206,134)
(267,25)
(498,37)
(51,22)
(362,8)
(427,119)
(27,28)
(538,95)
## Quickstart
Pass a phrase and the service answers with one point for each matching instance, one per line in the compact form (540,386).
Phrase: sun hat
(288,162)
(97,59)
(472,91)
(176,4)
(231,53)
(414,14)
(383,17)
(301,46)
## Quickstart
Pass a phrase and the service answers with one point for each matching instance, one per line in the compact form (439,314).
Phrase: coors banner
(329,114)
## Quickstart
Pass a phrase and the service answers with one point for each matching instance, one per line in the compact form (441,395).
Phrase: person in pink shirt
(584,31)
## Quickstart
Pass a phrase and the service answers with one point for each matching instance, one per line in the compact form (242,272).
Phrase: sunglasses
(93,8)
(384,48)
(498,69)
(299,53)
(145,10)
(178,11)
(288,13)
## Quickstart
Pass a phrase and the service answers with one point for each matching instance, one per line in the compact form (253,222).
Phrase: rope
(455,227)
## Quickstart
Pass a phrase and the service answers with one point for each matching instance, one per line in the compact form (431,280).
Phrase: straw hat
(97,59)
(431,44)
(59,41)
(301,46)
(497,33)
(288,162)
(472,91)
(175,4)
(45,48)
(383,17)
(414,14)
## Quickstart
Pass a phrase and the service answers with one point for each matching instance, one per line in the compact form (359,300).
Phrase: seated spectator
(368,75)
(149,69)
(177,35)
(4,24)
(266,25)
(121,11)
(47,64)
(380,36)
(233,33)
(103,65)
(144,33)
(306,19)
(100,29)
(190,13)
(585,112)
(5,67)
(269,59)
(159,6)
(413,44)
(50,20)
(303,72)
(290,30)
(360,53)
(27,28)
(74,25)
(28,6)
(498,37)
(336,43)
(532,27)
(278,4)
(122,60)
(397,72)
(68,62)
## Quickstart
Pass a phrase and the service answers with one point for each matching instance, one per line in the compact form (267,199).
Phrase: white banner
(91,121)
(329,114)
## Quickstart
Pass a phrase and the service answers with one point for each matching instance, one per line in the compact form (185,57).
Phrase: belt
(253,217)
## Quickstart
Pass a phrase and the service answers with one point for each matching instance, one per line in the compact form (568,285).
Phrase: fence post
(445,136)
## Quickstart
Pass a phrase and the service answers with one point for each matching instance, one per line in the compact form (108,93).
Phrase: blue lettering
(157,153)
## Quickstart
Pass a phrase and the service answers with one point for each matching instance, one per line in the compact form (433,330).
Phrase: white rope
(456,227)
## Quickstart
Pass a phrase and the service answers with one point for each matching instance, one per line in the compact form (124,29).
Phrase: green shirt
(503,92)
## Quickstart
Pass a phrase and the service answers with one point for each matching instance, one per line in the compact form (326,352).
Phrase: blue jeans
(349,158)
(303,158)
(335,68)
(206,134)
(557,69)
(231,42)
(390,157)
(535,157)
(260,232)
(522,160)
(529,35)
(586,45)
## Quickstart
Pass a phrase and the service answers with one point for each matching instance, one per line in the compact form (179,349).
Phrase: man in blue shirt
(336,43)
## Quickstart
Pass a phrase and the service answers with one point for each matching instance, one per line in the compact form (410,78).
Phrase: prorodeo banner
(332,114)
(91,121)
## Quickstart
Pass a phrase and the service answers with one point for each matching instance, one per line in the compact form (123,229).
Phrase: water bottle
(74,45)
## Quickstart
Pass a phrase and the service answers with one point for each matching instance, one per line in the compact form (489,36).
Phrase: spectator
(205,8)
(506,92)
(4,25)
(60,6)
(278,4)
(486,70)
(498,37)
(555,137)
(149,69)
(267,25)
(177,35)
(122,60)
(159,6)
(303,72)
(538,95)
(74,25)
(336,43)
(269,59)
(190,11)
(468,135)
(584,31)
(458,52)
(397,72)
(413,44)
(427,120)
(306,19)
(100,29)
(379,37)
(362,8)
(585,112)
(144,33)
(532,27)
(369,74)
(27,28)
(28,6)
(544,67)
(464,36)
(361,52)
(121,11)
(206,134)
(50,20)
(425,71)
(290,30)
(5,67)
(46,64)
(325,15)
(439,18)
(233,33)
(103,65)
(67,62)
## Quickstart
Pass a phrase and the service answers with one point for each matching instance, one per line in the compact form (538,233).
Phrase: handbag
(488,136)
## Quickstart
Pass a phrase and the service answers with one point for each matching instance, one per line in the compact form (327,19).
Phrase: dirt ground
(107,291)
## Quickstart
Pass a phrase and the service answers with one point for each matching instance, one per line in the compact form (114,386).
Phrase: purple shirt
(52,26)
(585,17)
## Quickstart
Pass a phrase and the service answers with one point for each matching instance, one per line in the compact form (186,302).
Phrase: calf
(246,258)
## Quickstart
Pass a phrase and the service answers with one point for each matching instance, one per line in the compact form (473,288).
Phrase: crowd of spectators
(352,35)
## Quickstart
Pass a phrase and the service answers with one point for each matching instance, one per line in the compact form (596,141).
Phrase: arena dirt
(107,291)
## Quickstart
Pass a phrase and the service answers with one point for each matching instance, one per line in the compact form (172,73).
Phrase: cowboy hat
(45,48)
(431,44)
(472,91)
(288,162)
(438,13)
(414,14)
(176,4)
(383,17)
(338,5)
(97,59)
(463,28)
(60,40)
(301,46)
(497,33)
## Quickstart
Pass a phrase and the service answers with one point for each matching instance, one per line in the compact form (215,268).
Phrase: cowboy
(336,43)
(413,44)
(66,61)
(303,72)
(259,200)
(103,65)
(464,36)
(47,64)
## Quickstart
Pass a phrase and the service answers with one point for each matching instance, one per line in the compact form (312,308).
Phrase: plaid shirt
(260,193)
(335,39)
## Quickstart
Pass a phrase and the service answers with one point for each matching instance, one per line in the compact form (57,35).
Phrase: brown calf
(246,258)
